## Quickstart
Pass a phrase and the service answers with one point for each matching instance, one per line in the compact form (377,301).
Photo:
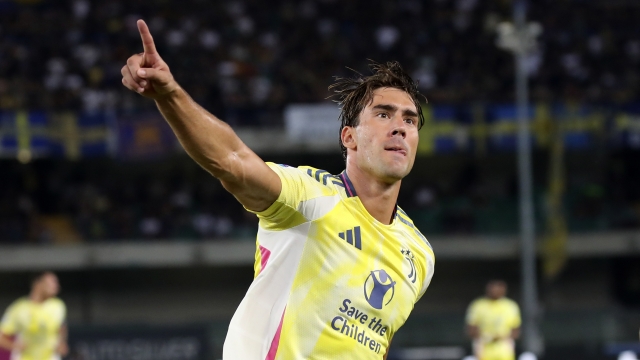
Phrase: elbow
(472,332)
(228,168)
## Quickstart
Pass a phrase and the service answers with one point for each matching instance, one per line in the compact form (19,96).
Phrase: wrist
(172,96)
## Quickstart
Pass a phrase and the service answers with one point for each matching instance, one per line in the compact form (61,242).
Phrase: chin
(399,170)
(395,173)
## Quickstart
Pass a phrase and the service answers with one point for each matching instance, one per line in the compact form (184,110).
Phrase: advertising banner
(312,123)
(139,343)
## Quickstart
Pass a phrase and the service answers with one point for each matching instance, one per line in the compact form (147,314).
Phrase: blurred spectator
(246,59)
(493,322)
(627,355)
(99,199)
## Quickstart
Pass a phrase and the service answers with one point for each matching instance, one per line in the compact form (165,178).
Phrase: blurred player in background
(33,327)
(339,266)
(493,322)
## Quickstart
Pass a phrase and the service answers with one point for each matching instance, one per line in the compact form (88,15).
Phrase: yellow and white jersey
(495,319)
(331,282)
(36,325)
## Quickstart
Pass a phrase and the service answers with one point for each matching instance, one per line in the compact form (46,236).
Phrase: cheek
(413,141)
(365,139)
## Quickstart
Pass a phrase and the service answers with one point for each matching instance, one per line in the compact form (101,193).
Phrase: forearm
(387,352)
(473,332)
(6,343)
(64,334)
(208,140)
(63,346)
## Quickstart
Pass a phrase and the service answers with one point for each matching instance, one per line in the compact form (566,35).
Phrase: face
(385,142)
(496,290)
(48,285)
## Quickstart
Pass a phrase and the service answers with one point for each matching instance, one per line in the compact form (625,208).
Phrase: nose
(399,130)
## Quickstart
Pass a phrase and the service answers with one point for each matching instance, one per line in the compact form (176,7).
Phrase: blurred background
(154,256)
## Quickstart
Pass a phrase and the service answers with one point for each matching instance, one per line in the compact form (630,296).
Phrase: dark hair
(355,93)
(37,276)
(497,282)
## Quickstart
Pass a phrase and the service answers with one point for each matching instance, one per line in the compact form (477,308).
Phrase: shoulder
(406,221)
(282,169)
(476,309)
(479,302)
(511,303)
(321,176)
(304,172)
(18,304)
(56,307)
(56,302)
(307,177)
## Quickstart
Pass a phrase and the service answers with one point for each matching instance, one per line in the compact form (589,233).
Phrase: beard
(385,167)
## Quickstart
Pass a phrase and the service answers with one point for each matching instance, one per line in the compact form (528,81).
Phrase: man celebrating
(36,323)
(493,322)
(339,266)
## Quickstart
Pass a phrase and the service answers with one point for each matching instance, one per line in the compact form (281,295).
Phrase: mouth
(397,150)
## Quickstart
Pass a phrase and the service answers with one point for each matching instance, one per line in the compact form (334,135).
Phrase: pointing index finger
(147,40)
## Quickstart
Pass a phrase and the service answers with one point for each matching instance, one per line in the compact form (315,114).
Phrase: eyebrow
(393,108)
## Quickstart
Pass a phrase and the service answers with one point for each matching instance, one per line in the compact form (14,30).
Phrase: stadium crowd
(102,199)
(246,59)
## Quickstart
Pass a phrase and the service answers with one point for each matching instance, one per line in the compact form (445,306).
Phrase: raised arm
(63,345)
(208,140)
(10,345)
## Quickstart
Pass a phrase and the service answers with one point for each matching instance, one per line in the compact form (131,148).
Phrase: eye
(410,121)
(384,115)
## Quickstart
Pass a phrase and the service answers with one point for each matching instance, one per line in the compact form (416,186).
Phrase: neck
(379,198)
(36,297)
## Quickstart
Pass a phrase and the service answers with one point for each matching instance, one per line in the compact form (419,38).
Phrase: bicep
(251,180)
(6,341)
(473,331)
(517,320)
(472,314)
(63,332)
(515,333)
(387,352)
(8,323)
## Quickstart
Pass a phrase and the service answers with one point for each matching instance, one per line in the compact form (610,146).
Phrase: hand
(19,346)
(146,73)
(499,338)
(63,349)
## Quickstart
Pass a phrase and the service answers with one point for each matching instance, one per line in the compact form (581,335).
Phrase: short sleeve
(473,313)
(516,319)
(62,308)
(297,189)
(429,271)
(9,323)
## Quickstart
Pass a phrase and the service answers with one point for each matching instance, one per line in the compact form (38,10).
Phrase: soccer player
(339,266)
(33,327)
(493,322)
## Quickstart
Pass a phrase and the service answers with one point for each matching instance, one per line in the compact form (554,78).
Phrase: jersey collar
(351,191)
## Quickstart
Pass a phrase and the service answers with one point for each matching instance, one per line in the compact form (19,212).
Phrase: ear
(348,137)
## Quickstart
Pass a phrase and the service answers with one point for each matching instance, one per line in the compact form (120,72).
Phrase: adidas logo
(352,236)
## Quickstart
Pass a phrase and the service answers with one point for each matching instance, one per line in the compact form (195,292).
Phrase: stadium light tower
(520,39)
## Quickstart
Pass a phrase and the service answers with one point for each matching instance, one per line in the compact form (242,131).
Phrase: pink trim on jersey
(346,185)
(264,257)
(276,341)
